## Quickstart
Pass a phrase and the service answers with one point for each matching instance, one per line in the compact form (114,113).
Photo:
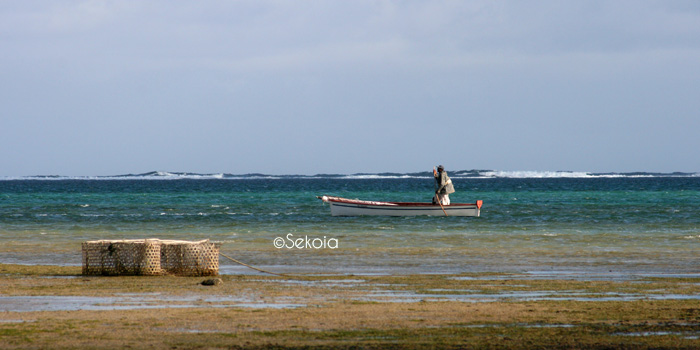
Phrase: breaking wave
(460,174)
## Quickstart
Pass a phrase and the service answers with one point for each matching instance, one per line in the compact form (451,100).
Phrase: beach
(593,262)
(56,307)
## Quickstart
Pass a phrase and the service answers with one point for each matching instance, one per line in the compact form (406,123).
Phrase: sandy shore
(56,307)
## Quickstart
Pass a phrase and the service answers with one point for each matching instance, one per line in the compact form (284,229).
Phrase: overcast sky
(307,87)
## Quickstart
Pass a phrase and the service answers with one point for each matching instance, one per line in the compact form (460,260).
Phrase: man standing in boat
(444,185)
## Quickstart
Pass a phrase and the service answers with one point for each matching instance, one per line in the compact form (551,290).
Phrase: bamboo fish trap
(150,257)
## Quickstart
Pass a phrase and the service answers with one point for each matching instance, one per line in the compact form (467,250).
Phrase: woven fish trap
(150,257)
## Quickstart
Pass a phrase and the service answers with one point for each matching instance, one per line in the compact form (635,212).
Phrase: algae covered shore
(56,307)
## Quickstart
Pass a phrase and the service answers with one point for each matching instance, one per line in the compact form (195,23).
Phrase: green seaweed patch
(39,270)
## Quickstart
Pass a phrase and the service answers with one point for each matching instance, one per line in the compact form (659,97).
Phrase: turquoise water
(620,224)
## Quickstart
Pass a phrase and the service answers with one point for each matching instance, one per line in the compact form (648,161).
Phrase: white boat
(355,207)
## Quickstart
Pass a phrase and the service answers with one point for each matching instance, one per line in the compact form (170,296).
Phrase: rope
(252,267)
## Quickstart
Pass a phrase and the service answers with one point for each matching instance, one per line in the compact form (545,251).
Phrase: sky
(312,87)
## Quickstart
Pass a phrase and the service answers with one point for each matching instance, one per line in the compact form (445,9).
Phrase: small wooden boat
(355,207)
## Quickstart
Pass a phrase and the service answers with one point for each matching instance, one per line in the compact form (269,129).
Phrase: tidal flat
(56,307)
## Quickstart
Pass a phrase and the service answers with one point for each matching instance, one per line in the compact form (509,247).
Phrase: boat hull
(348,207)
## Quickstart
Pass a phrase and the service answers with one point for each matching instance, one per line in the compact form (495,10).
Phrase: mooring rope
(253,267)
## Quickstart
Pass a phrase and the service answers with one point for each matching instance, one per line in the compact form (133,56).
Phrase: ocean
(542,223)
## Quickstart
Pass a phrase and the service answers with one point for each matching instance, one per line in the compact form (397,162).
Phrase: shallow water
(365,292)
(571,226)
(131,302)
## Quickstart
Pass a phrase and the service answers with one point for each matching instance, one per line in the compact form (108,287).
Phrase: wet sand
(56,307)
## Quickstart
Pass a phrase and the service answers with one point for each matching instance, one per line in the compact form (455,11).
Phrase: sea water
(547,222)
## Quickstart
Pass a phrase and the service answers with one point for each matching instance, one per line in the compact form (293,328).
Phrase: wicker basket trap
(151,257)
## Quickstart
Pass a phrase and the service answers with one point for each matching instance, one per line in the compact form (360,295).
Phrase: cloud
(290,35)
(382,72)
